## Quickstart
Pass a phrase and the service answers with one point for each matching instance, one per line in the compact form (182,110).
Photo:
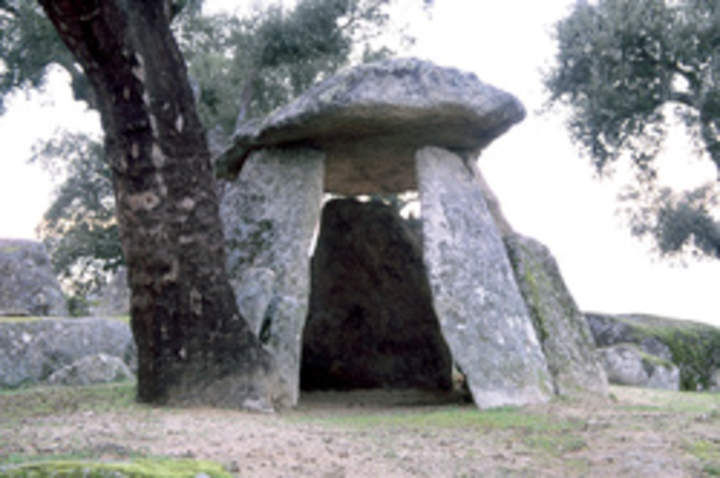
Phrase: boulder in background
(97,368)
(31,350)
(28,285)
(627,364)
(693,347)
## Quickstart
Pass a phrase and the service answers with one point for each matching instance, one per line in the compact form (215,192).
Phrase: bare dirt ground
(379,434)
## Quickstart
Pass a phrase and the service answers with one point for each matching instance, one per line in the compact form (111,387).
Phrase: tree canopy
(240,68)
(628,71)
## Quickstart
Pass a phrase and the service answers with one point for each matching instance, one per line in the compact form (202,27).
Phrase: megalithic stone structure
(269,216)
(481,311)
(384,127)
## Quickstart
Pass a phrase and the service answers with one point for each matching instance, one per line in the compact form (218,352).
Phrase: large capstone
(270,213)
(564,334)
(28,285)
(371,321)
(371,119)
(481,310)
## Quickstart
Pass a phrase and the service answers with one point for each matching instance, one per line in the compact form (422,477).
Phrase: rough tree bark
(193,344)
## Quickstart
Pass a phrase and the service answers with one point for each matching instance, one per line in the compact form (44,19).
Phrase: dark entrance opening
(371,322)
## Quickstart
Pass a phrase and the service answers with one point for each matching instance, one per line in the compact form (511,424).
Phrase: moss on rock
(146,468)
(559,325)
(695,347)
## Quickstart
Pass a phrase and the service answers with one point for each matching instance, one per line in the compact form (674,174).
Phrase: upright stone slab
(270,213)
(481,311)
(565,336)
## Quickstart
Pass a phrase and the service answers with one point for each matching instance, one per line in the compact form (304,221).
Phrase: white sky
(546,191)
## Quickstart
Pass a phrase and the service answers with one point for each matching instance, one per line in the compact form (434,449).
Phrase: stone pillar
(270,214)
(482,314)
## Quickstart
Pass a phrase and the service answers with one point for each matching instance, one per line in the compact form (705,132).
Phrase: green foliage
(28,47)
(245,67)
(624,66)
(79,230)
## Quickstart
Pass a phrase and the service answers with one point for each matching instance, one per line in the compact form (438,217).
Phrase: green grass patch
(708,452)
(555,444)
(711,469)
(450,417)
(669,401)
(144,468)
(19,318)
(16,405)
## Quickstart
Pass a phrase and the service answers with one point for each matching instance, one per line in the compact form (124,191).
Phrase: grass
(708,452)
(669,401)
(19,318)
(142,468)
(18,405)
(449,417)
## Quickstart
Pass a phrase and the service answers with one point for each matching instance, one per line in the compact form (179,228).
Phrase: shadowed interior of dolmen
(371,322)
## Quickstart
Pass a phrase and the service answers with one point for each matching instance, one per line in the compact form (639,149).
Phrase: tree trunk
(193,344)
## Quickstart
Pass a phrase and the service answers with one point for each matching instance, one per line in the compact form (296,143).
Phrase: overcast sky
(545,189)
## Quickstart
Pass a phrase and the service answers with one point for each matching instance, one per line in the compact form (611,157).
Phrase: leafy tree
(192,342)
(628,70)
(240,68)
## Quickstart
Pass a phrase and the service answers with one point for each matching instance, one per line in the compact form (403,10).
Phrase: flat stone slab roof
(370,120)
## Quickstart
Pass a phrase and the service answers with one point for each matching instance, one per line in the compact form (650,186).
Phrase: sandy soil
(635,433)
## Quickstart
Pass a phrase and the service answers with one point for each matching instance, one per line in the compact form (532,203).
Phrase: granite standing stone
(270,214)
(481,311)
(564,334)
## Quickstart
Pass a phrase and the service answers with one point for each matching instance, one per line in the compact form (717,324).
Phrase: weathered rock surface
(270,213)
(28,285)
(30,351)
(114,298)
(610,330)
(693,347)
(628,364)
(371,119)
(481,310)
(371,321)
(566,339)
(98,368)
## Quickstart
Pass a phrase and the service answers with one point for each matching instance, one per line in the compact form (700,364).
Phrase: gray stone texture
(371,321)
(31,350)
(627,364)
(692,346)
(270,213)
(28,285)
(114,298)
(566,339)
(481,310)
(371,119)
(97,368)
(609,330)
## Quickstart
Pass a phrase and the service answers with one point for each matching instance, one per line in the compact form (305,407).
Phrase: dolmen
(390,127)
